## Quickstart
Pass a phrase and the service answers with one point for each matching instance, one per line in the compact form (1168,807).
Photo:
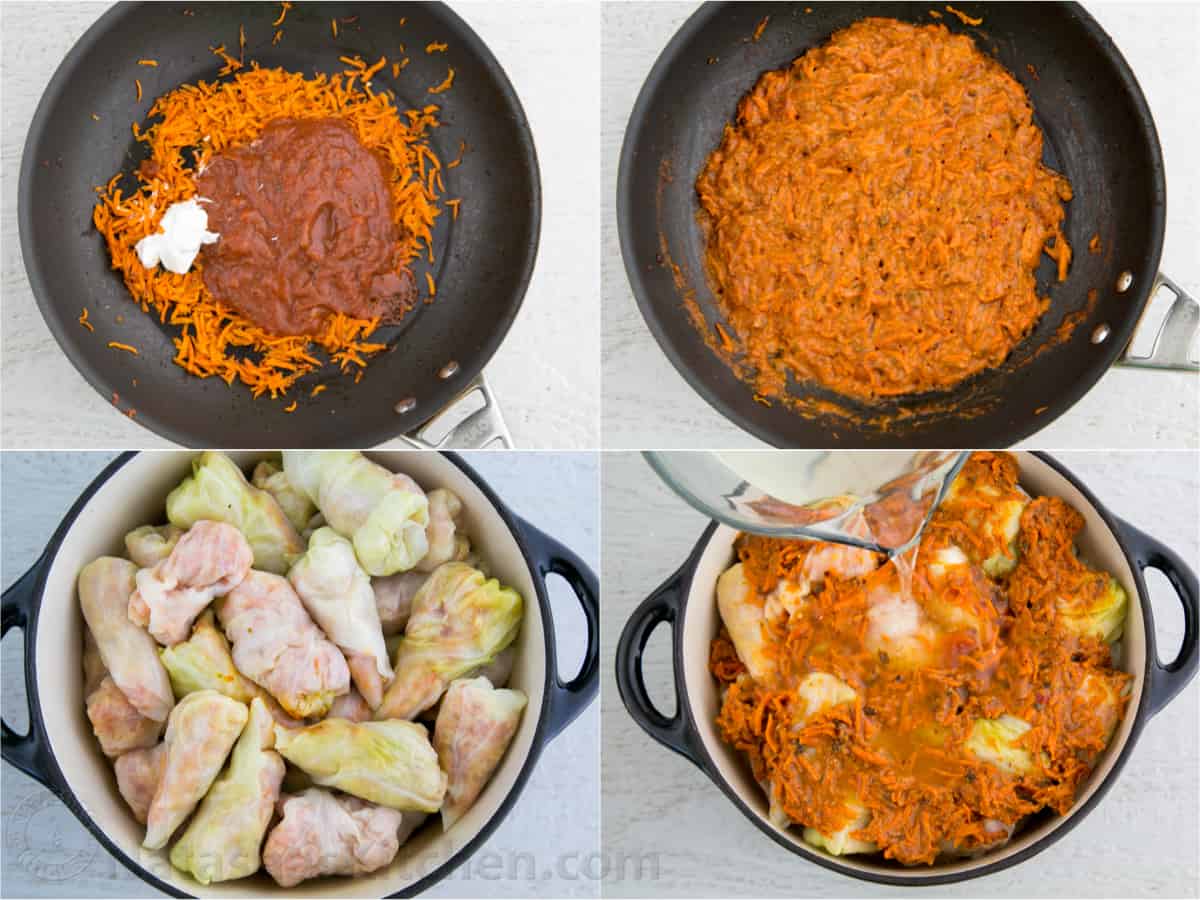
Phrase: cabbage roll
(446,541)
(277,646)
(218,490)
(998,742)
(391,763)
(842,841)
(204,663)
(474,727)
(499,670)
(138,775)
(209,561)
(384,514)
(222,841)
(459,622)
(269,476)
(200,734)
(151,544)
(128,652)
(393,599)
(323,833)
(118,726)
(337,594)
(743,614)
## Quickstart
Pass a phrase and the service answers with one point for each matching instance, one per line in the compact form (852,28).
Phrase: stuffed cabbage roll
(391,763)
(499,670)
(138,775)
(151,544)
(276,645)
(446,541)
(460,621)
(384,514)
(352,706)
(269,476)
(128,652)
(337,594)
(323,833)
(118,726)
(474,727)
(209,561)
(204,663)
(200,734)
(218,490)
(222,841)
(393,599)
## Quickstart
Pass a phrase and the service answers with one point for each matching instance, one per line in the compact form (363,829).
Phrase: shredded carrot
(138,84)
(333,25)
(963,17)
(436,47)
(291,407)
(454,204)
(277,38)
(83,320)
(395,70)
(935,14)
(148,62)
(211,117)
(403,21)
(116,345)
(445,85)
(760,28)
(242,42)
(432,286)
(1094,244)
(283,11)
(316,390)
(231,64)
(457,161)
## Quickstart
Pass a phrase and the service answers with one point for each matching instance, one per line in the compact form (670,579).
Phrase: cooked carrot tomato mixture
(319,192)
(923,711)
(875,215)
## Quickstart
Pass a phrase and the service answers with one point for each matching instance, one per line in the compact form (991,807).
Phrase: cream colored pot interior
(136,495)
(1097,545)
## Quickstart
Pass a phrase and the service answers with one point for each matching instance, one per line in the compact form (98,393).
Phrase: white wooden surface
(648,404)
(546,374)
(556,819)
(1141,840)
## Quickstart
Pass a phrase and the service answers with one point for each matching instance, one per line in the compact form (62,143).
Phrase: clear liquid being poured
(878,500)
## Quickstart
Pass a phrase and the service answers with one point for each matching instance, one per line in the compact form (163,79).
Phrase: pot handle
(569,699)
(1172,344)
(674,732)
(481,428)
(1168,680)
(28,752)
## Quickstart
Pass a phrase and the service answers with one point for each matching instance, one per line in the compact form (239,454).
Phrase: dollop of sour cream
(183,230)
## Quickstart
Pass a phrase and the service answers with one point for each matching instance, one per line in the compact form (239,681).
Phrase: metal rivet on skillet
(1100,333)
(1124,281)
(448,370)
(408,404)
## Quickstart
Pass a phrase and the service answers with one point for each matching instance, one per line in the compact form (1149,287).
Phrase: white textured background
(1141,840)
(556,818)
(546,375)
(648,404)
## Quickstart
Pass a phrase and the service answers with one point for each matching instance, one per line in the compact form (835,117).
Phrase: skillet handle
(483,427)
(674,732)
(29,752)
(1176,335)
(1168,680)
(569,699)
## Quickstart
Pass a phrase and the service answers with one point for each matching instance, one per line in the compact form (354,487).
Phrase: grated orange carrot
(317,390)
(760,28)
(83,320)
(138,84)
(277,38)
(291,407)
(231,64)
(283,11)
(116,345)
(963,17)
(432,286)
(436,47)
(333,25)
(148,62)
(445,85)
(453,204)
(212,340)
(395,70)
